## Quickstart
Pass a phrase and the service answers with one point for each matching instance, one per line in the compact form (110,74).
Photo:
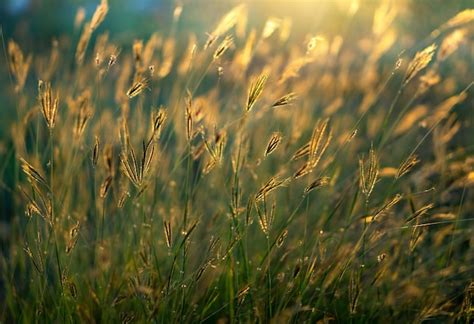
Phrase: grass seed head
(273,143)
(19,64)
(285,100)
(419,62)
(255,90)
(49,103)
(137,87)
(368,173)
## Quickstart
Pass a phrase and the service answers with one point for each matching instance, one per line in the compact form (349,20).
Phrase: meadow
(243,175)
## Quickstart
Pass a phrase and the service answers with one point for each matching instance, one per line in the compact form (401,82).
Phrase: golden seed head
(49,103)
(318,183)
(99,15)
(368,173)
(285,100)
(255,90)
(419,62)
(226,44)
(407,165)
(137,87)
(273,143)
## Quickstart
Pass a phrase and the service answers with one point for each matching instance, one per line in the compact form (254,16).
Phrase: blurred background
(35,22)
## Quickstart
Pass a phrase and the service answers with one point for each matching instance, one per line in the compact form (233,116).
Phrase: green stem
(269,281)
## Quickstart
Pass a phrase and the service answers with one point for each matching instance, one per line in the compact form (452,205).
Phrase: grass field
(253,174)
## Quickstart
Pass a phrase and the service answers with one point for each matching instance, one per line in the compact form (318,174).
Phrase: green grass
(164,206)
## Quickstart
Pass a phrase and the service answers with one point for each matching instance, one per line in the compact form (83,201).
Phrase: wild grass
(242,177)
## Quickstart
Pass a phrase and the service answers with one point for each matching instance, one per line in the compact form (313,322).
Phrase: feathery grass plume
(168,233)
(95,152)
(83,115)
(265,218)
(151,45)
(137,87)
(198,150)
(105,186)
(383,17)
(158,118)
(442,110)
(148,50)
(451,43)
(271,25)
(244,56)
(220,139)
(415,237)
(19,65)
(462,18)
(40,204)
(108,158)
(147,157)
(189,54)
(223,46)
(386,207)
(419,62)
(273,143)
(131,167)
(167,57)
(428,80)
(420,212)
(319,142)
(72,237)
(124,133)
(303,170)
(151,69)
(318,183)
(285,29)
(226,23)
(368,173)
(83,43)
(281,238)
(177,12)
(128,160)
(32,173)
(112,60)
(285,100)
(410,118)
(32,208)
(313,41)
(446,133)
(137,53)
(49,103)
(293,68)
(301,152)
(97,19)
(255,90)
(407,165)
(79,18)
(269,186)
(188,116)
(215,150)
(136,170)
(99,14)
(242,293)
(123,199)
(352,136)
